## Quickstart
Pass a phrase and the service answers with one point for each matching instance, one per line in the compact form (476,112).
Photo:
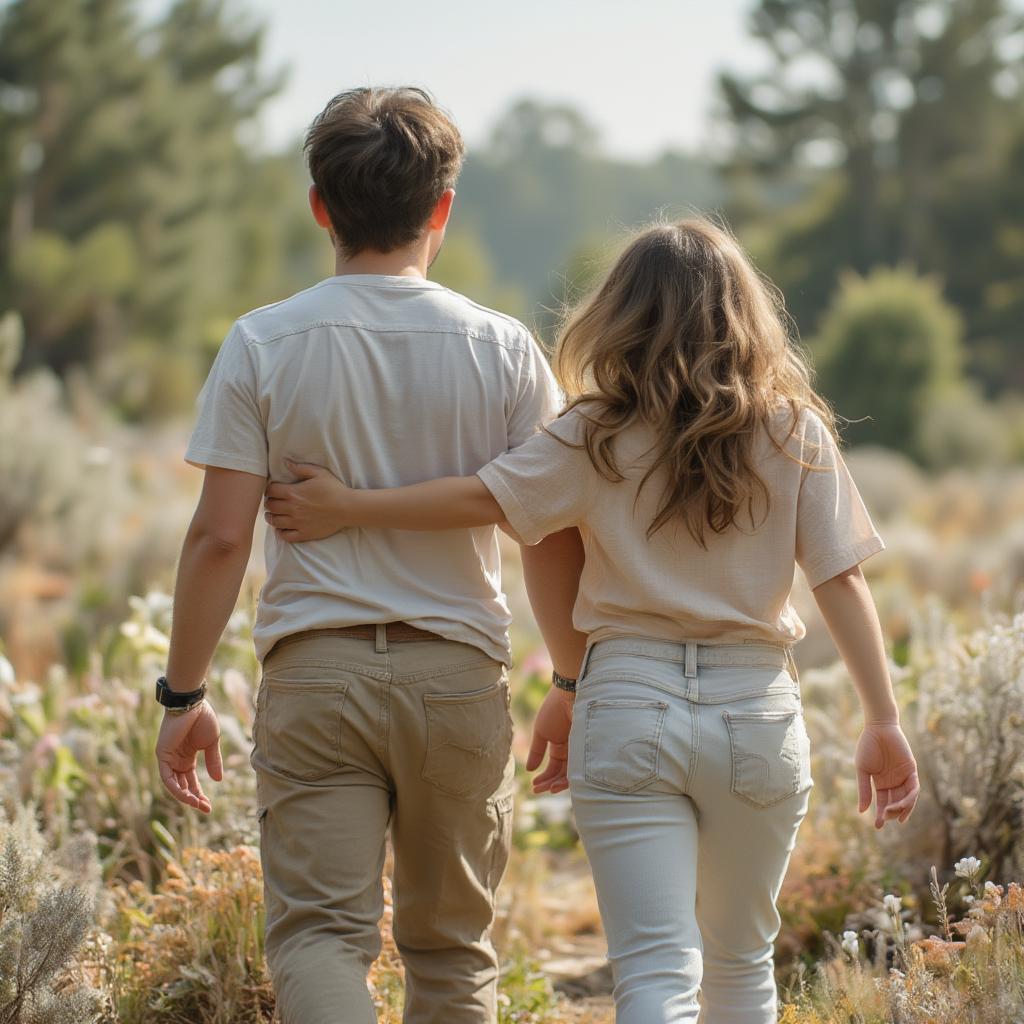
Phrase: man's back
(383,380)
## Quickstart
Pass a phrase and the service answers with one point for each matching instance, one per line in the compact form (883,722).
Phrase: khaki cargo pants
(353,737)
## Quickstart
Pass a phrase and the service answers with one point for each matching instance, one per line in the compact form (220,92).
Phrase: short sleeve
(834,531)
(547,483)
(229,431)
(538,398)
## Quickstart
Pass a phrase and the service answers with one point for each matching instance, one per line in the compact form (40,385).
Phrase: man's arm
(210,571)
(552,570)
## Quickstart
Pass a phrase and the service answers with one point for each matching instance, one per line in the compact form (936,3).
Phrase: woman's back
(667,585)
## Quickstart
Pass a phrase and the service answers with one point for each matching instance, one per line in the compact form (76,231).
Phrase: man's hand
(311,509)
(551,734)
(884,758)
(181,738)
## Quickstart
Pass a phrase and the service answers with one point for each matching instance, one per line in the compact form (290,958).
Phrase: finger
(537,748)
(278,521)
(278,490)
(171,784)
(278,505)
(554,771)
(214,762)
(290,535)
(196,789)
(863,791)
(304,470)
(881,802)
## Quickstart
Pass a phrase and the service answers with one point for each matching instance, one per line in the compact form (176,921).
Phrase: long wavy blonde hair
(684,336)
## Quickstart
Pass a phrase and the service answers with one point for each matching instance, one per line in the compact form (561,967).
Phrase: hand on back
(885,761)
(310,509)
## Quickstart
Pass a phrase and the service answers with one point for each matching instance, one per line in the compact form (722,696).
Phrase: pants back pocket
(770,755)
(622,743)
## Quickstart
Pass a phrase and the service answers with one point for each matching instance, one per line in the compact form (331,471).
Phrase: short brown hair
(381,159)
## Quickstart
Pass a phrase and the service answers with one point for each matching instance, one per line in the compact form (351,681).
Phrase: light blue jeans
(689,770)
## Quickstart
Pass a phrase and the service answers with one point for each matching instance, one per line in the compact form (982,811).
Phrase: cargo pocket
(469,738)
(502,843)
(622,743)
(770,756)
(300,722)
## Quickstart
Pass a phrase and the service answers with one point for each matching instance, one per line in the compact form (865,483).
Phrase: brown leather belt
(393,632)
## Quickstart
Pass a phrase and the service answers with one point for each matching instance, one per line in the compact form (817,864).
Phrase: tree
(135,216)
(889,113)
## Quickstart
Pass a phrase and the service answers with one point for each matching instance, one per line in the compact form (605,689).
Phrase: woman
(700,467)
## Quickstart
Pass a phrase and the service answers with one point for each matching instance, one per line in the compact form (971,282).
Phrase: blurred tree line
(874,165)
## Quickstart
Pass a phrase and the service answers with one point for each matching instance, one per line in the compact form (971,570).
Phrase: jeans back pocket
(622,743)
(770,755)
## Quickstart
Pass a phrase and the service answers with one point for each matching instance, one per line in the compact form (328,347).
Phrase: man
(384,698)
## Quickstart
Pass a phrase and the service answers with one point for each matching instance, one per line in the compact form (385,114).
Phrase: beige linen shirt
(386,381)
(669,587)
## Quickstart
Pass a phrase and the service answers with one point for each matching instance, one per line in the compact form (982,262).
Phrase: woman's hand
(551,736)
(884,758)
(311,509)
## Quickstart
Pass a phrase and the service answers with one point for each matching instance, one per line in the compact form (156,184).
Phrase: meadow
(118,905)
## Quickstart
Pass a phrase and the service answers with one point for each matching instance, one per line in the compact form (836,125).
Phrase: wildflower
(850,943)
(893,904)
(967,867)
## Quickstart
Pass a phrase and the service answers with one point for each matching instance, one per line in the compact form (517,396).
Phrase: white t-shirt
(669,587)
(385,381)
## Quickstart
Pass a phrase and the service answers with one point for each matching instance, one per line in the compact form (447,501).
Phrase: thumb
(536,755)
(214,763)
(304,470)
(863,790)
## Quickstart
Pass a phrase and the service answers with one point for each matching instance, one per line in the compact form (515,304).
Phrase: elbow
(217,541)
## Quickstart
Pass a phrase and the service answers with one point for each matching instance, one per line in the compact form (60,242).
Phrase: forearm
(452,502)
(852,619)
(552,571)
(209,577)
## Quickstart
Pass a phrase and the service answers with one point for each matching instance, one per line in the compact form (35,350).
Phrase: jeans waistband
(693,655)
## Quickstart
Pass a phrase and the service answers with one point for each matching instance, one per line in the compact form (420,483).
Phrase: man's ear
(442,211)
(316,204)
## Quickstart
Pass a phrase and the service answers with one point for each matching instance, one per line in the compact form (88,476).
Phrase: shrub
(889,347)
(47,906)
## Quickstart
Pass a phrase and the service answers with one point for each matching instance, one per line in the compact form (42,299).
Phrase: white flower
(850,943)
(893,904)
(967,867)
(968,899)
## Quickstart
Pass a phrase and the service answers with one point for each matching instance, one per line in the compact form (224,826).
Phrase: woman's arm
(883,754)
(320,505)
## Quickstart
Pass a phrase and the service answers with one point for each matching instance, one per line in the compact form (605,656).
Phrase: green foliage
(47,905)
(905,146)
(889,347)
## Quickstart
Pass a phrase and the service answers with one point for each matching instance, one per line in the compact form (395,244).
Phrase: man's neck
(400,263)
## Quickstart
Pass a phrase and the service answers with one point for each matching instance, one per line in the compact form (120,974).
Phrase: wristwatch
(562,683)
(177,702)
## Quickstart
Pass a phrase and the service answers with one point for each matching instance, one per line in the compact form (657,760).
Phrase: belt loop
(690,667)
(791,662)
(381,645)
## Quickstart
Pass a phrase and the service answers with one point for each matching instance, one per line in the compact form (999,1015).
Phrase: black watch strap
(176,700)
(563,683)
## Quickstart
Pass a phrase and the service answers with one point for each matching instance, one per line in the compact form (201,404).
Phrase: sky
(642,71)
